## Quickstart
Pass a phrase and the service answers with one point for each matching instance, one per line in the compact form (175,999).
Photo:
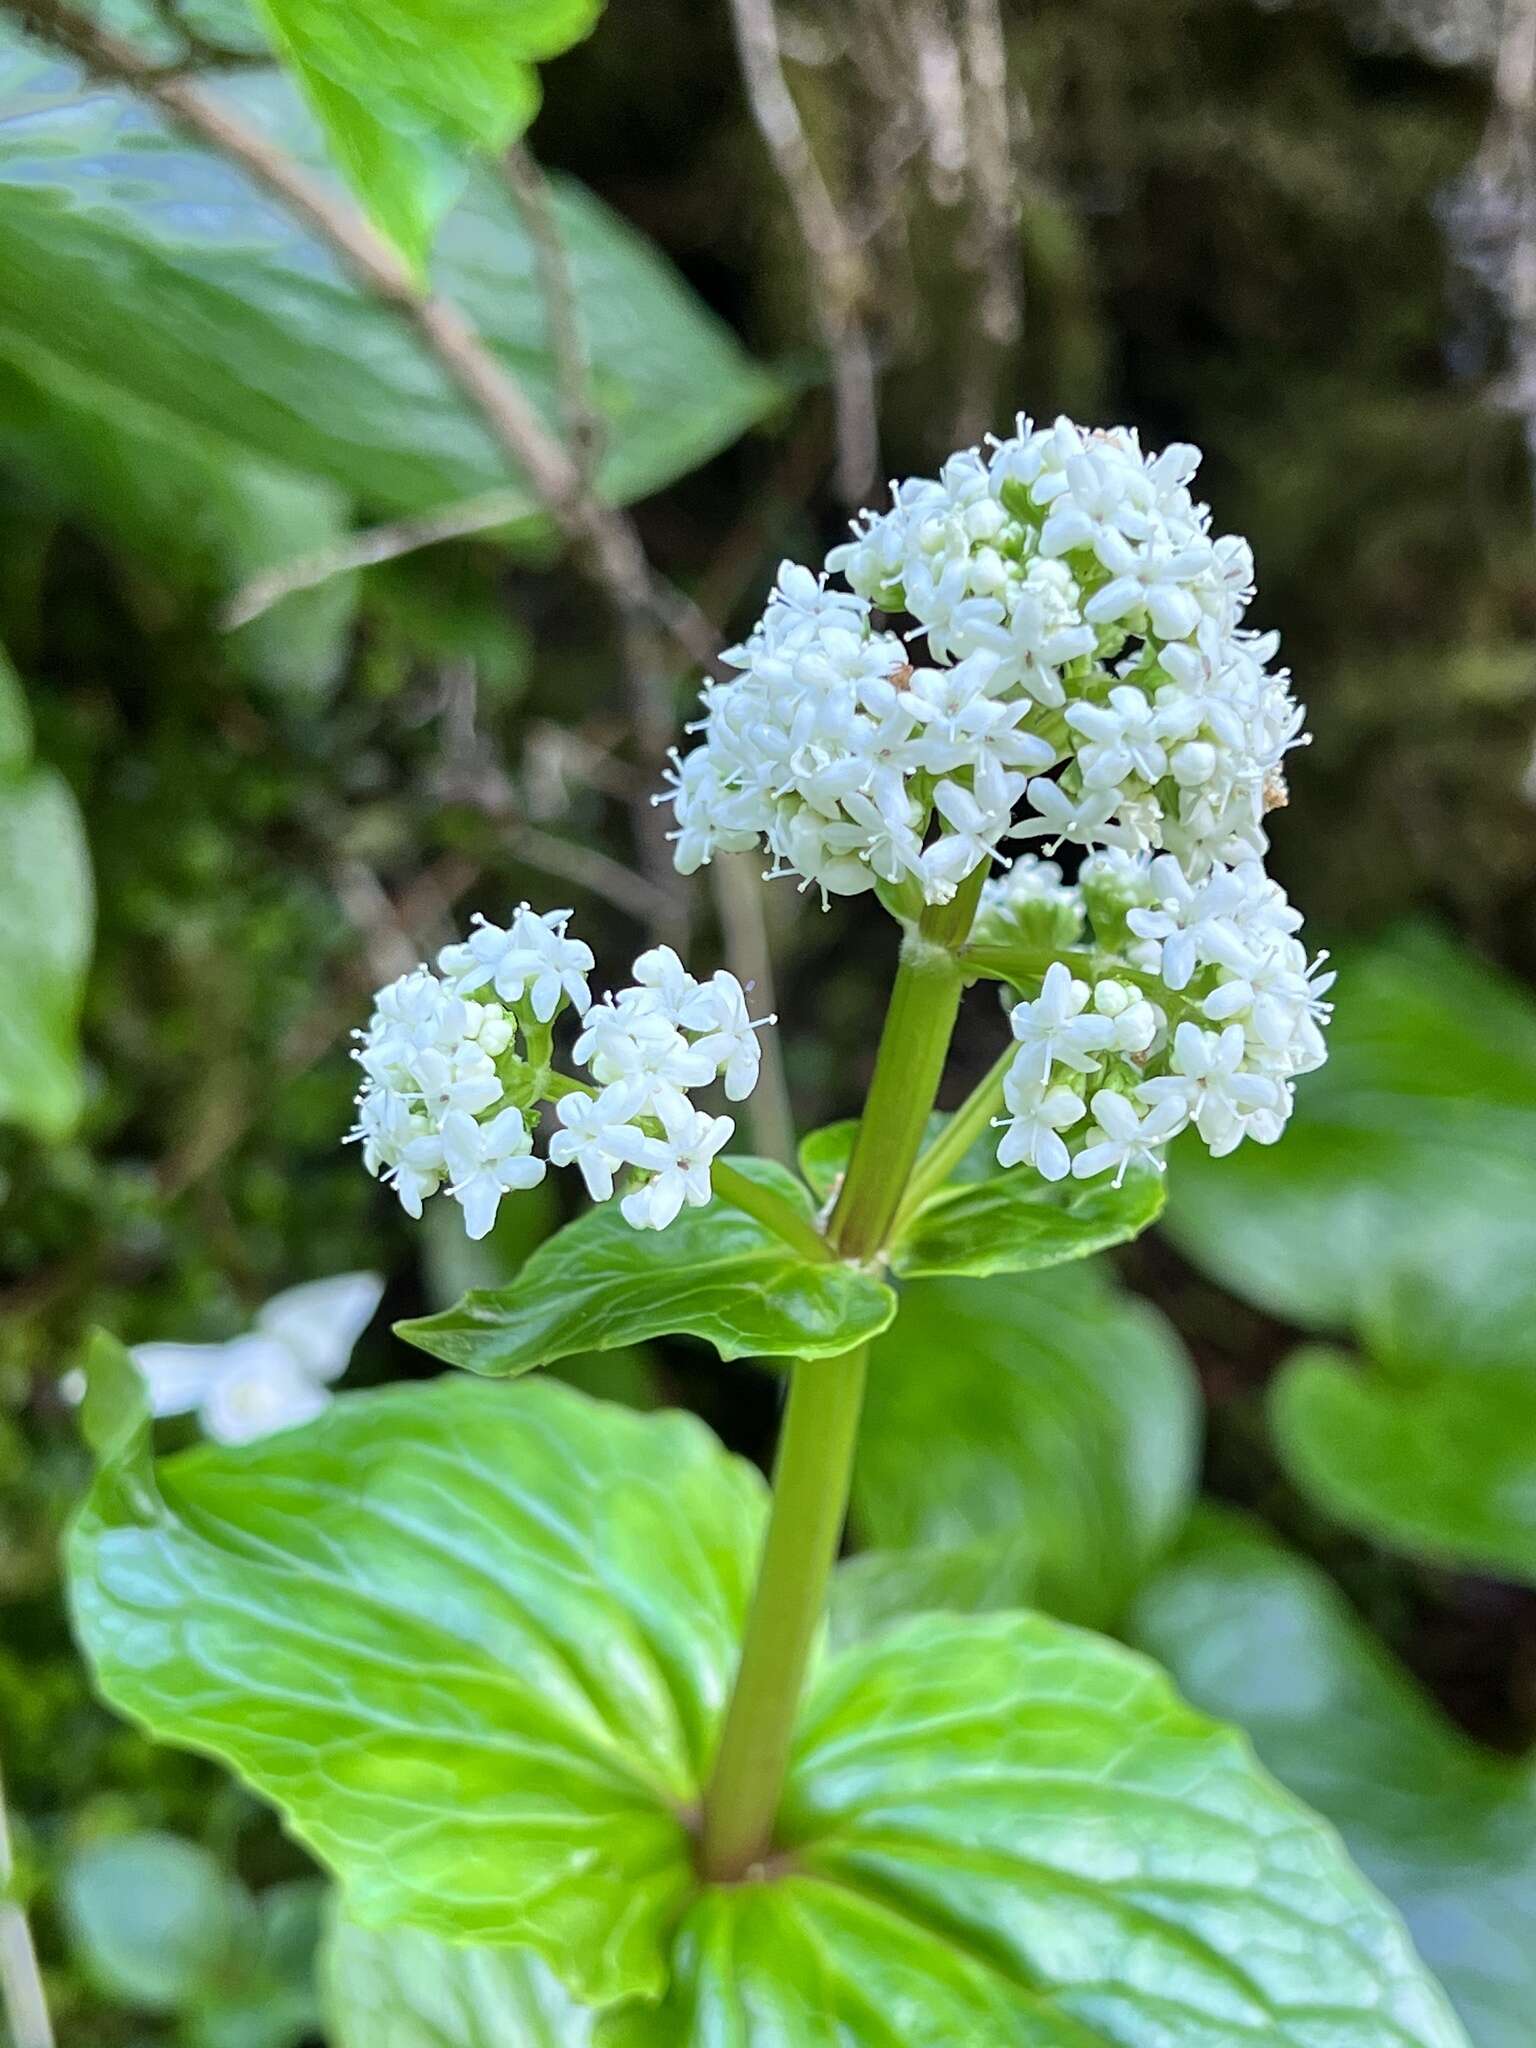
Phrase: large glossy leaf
(1003,1833)
(46,919)
(714,1273)
(1417,1136)
(402,1989)
(1040,1432)
(1015,1222)
(405,88)
(1440,1460)
(1446,1830)
(228,315)
(472,1640)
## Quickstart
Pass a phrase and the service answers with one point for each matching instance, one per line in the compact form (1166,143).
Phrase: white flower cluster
(456,1063)
(1195,1003)
(1085,656)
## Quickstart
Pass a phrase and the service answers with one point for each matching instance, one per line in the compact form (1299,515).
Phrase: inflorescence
(1077,672)
(457,1064)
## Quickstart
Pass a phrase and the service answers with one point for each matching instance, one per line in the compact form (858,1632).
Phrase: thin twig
(367,549)
(21,1981)
(562,310)
(836,260)
(992,242)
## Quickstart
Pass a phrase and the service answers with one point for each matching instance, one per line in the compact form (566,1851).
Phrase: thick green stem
(780,1216)
(935,1165)
(908,1068)
(814,1467)
(811,1477)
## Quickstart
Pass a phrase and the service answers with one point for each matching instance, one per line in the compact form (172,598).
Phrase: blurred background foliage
(1302,235)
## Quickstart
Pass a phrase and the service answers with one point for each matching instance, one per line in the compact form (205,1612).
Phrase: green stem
(814,1467)
(908,1068)
(781,1217)
(938,1162)
(811,1478)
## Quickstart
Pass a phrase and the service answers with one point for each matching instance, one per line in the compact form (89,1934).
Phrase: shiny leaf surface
(473,1641)
(402,1989)
(1446,1830)
(230,317)
(715,1274)
(1015,1222)
(1418,1136)
(1045,1428)
(1004,1833)
(1440,1462)
(405,88)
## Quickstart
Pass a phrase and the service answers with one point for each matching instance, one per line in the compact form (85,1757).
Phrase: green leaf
(473,1641)
(15,721)
(1419,1133)
(405,88)
(715,1273)
(1446,1830)
(1015,1222)
(408,1990)
(1439,1461)
(154,1920)
(824,1155)
(46,915)
(1047,1429)
(1005,1833)
(229,316)
(198,511)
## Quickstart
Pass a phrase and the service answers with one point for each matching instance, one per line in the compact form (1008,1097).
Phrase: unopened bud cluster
(457,1065)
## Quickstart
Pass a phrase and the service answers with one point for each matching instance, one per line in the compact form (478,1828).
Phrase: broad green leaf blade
(715,1274)
(154,1920)
(405,88)
(1419,1132)
(401,1989)
(1004,1833)
(1050,1424)
(1441,1462)
(473,1641)
(200,512)
(824,1155)
(46,918)
(228,316)
(1015,1222)
(1446,1830)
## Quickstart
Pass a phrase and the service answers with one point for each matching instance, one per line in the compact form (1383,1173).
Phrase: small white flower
(1058,1029)
(1038,1115)
(1209,1084)
(1126,1139)
(679,1168)
(273,1378)
(730,1035)
(485,1162)
(597,1136)
(643,1047)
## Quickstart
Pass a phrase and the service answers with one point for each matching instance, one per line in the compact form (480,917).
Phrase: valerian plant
(541,1680)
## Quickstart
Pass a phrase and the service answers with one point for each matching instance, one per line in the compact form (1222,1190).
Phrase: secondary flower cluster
(1192,1003)
(456,1064)
(1085,655)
